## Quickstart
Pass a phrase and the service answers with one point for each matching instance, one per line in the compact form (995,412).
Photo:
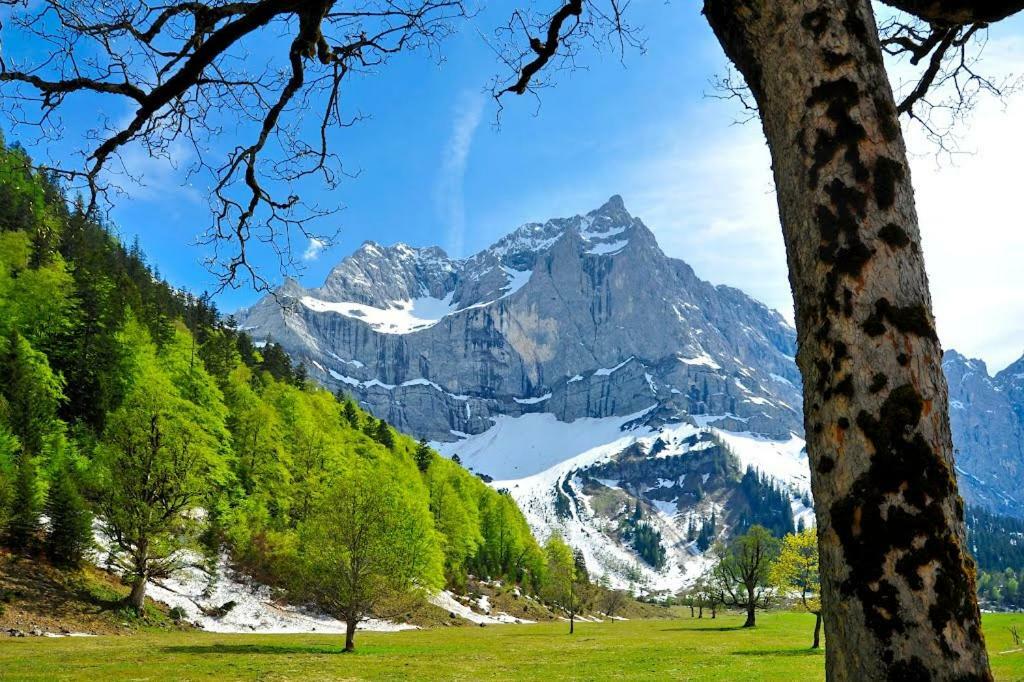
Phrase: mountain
(986,416)
(620,399)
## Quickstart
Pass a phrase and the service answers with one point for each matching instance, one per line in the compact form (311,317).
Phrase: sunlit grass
(685,649)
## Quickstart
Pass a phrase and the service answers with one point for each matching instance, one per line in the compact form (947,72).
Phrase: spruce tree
(24,522)
(70,532)
(351,413)
(384,436)
(423,455)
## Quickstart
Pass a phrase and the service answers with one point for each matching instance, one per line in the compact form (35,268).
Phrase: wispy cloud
(313,250)
(449,195)
(708,195)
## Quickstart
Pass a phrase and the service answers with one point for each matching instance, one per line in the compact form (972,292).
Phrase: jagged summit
(587,372)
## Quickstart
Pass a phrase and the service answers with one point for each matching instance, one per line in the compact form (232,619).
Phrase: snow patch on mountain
(401,317)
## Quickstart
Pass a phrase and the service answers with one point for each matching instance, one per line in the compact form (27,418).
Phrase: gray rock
(580,317)
(986,416)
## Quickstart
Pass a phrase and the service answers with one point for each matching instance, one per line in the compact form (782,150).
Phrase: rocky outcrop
(987,420)
(580,317)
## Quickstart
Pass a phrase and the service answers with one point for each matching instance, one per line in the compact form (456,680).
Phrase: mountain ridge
(575,347)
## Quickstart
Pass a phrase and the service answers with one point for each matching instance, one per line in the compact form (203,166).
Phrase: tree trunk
(751,615)
(897,583)
(572,621)
(817,630)
(714,609)
(137,597)
(350,633)
(700,611)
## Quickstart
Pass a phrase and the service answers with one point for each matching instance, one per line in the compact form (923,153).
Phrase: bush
(177,614)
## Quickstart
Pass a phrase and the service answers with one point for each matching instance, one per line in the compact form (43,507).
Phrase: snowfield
(534,454)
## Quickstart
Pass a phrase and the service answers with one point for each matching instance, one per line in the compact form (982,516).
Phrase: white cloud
(455,156)
(313,250)
(709,197)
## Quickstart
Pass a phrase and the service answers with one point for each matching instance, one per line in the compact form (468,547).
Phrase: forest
(137,410)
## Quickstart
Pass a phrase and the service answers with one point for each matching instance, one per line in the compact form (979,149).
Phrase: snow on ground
(520,447)
(517,279)
(608,248)
(533,401)
(785,461)
(533,454)
(206,602)
(702,359)
(447,601)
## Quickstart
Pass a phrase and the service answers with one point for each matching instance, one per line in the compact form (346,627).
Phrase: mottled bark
(897,583)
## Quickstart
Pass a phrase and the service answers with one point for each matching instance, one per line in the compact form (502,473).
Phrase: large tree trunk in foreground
(897,582)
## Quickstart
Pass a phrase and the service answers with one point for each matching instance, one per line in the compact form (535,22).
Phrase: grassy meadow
(682,649)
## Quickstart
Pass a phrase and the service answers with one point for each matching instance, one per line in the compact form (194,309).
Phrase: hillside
(573,347)
(140,431)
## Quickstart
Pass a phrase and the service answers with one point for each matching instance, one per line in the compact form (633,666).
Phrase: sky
(433,166)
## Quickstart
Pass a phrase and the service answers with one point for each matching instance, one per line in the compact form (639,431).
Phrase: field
(683,649)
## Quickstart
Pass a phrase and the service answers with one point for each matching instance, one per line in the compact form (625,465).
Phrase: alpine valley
(621,400)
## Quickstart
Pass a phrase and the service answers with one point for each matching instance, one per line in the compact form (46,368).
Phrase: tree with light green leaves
(369,545)
(563,585)
(796,571)
(158,455)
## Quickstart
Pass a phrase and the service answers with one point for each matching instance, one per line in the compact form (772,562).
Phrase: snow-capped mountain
(986,416)
(602,383)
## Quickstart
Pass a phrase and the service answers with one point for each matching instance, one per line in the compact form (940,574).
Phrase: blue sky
(434,169)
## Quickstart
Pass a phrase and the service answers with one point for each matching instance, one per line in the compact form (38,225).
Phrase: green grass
(682,649)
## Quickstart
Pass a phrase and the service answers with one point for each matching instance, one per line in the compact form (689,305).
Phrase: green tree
(423,455)
(796,569)
(70,531)
(351,413)
(563,584)
(8,457)
(154,456)
(32,393)
(23,525)
(742,571)
(384,435)
(369,543)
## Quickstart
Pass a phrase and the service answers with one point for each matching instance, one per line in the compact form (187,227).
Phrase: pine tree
(351,414)
(423,455)
(70,532)
(24,522)
(384,436)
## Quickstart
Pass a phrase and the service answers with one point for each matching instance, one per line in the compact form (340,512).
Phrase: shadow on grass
(261,649)
(724,628)
(779,652)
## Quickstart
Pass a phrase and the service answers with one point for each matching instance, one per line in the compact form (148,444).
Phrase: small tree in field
(743,570)
(369,543)
(796,569)
(563,584)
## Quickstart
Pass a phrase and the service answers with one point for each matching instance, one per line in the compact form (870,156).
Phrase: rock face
(577,317)
(604,385)
(987,419)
